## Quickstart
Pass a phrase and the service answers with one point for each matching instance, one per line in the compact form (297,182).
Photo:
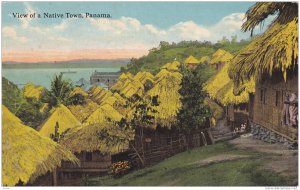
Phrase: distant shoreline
(62,65)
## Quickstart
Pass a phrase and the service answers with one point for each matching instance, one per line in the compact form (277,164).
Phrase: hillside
(167,52)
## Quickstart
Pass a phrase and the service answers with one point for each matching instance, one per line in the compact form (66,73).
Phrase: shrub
(120,168)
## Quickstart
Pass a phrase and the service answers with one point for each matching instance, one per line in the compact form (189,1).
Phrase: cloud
(12,34)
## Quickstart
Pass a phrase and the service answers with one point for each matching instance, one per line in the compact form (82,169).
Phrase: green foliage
(193,113)
(28,110)
(167,52)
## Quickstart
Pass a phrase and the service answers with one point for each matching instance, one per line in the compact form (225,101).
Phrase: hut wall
(268,104)
(91,163)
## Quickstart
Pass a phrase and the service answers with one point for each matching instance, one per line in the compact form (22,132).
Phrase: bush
(120,168)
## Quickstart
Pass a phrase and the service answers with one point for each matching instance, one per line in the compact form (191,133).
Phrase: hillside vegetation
(167,52)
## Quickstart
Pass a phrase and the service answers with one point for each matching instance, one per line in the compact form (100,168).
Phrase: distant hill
(83,63)
(167,52)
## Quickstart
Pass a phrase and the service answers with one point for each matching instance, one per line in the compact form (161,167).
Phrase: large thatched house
(272,59)
(26,154)
(220,88)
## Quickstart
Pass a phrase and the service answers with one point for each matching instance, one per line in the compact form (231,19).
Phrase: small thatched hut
(272,60)
(191,62)
(93,151)
(220,58)
(26,154)
(33,92)
(61,115)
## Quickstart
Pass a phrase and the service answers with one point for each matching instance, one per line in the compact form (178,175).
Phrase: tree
(60,91)
(194,113)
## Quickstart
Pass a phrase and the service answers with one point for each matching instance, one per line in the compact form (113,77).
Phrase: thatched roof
(103,113)
(120,83)
(143,77)
(78,90)
(63,116)
(204,59)
(87,138)
(132,87)
(25,153)
(191,60)
(220,56)
(166,88)
(82,112)
(32,91)
(220,88)
(173,66)
(276,49)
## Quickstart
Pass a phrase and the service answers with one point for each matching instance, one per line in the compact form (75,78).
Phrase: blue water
(44,76)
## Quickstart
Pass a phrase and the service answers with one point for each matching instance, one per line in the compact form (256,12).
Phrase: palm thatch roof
(204,59)
(82,112)
(87,138)
(220,56)
(25,153)
(166,88)
(78,90)
(32,91)
(275,50)
(220,87)
(104,113)
(132,87)
(120,83)
(173,66)
(63,116)
(191,60)
(143,77)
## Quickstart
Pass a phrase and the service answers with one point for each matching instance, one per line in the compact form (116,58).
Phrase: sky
(133,29)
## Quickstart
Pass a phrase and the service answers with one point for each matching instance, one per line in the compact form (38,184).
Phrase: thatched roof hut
(143,77)
(220,56)
(173,66)
(104,113)
(122,79)
(166,88)
(63,116)
(25,153)
(32,91)
(220,88)
(87,138)
(191,60)
(275,50)
(82,112)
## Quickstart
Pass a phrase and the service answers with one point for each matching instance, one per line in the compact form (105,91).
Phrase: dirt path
(219,159)
(282,160)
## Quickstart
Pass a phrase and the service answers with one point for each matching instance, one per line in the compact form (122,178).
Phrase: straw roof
(276,49)
(166,88)
(78,90)
(122,78)
(25,153)
(32,91)
(82,112)
(102,114)
(173,66)
(63,116)
(143,77)
(132,87)
(220,88)
(86,138)
(220,56)
(191,60)
(204,59)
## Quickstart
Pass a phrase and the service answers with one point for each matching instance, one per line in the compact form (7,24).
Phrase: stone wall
(262,133)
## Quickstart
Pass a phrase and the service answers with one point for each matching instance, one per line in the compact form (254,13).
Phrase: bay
(44,76)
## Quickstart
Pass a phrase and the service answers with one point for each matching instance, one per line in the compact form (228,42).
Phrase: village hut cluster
(256,88)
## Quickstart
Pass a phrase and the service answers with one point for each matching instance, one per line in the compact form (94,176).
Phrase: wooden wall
(267,104)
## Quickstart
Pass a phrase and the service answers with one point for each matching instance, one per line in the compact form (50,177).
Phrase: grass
(181,170)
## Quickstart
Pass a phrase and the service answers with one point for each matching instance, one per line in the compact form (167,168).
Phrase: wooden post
(210,136)
(54,177)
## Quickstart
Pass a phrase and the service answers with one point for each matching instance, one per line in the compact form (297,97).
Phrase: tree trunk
(211,137)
